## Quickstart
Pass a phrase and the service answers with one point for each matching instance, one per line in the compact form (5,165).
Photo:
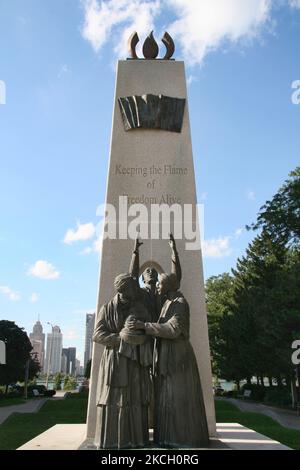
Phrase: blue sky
(58,64)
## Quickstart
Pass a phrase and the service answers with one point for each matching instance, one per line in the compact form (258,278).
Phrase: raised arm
(175,262)
(134,268)
(102,333)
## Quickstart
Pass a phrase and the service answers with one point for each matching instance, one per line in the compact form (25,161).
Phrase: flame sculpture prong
(150,47)
(169,43)
(132,43)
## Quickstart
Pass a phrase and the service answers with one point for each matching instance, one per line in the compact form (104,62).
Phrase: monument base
(230,436)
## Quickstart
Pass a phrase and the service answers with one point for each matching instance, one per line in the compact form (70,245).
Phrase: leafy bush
(257,391)
(278,396)
(231,394)
(69,383)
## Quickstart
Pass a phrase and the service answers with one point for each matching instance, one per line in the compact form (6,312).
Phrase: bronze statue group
(148,366)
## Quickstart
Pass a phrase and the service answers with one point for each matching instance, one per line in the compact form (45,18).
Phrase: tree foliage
(280,217)
(69,383)
(254,321)
(18,349)
(254,314)
(57,381)
(34,368)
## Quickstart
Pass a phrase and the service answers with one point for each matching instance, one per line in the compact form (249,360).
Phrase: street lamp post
(33,355)
(49,356)
(26,379)
(2,353)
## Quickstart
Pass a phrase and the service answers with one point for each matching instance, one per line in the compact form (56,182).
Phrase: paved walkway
(287,418)
(231,436)
(31,406)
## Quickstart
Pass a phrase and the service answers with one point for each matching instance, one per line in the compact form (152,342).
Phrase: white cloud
(251,195)
(87,251)
(95,248)
(43,270)
(98,245)
(14,296)
(199,27)
(191,79)
(71,334)
(239,232)
(204,25)
(65,69)
(117,18)
(216,247)
(83,232)
(34,298)
(294,3)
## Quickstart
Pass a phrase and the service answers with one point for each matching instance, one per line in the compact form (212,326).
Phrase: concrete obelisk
(153,165)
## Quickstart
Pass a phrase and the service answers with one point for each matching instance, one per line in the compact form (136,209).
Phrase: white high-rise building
(54,351)
(37,339)
(89,330)
(79,368)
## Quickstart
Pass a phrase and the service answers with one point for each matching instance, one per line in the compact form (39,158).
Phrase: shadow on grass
(11,402)
(229,413)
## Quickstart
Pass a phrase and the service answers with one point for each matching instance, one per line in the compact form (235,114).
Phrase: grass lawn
(21,428)
(229,413)
(11,402)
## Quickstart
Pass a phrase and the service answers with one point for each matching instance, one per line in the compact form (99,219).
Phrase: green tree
(218,296)
(254,315)
(66,382)
(70,383)
(280,216)
(34,368)
(267,310)
(18,349)
(57,381)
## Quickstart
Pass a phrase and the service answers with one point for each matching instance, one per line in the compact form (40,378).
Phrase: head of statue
(168,283)
(126,286)
(150,276)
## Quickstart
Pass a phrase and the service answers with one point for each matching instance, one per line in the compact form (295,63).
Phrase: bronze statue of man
(149,293)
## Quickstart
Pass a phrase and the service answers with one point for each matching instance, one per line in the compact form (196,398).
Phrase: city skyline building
(68,365)
(79,368)
(37,339)
(89,330)
(54,351)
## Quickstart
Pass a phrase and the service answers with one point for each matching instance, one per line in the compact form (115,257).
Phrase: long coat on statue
(124,382)
(180,418)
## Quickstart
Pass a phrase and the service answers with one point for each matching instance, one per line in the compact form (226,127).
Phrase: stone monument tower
(151,164)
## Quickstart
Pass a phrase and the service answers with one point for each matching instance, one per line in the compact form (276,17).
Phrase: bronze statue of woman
(180,417)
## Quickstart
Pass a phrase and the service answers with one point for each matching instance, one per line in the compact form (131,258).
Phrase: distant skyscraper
(69,361)
(89,330)
(64,362)
(79,368)
(54,350)
(37,339)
